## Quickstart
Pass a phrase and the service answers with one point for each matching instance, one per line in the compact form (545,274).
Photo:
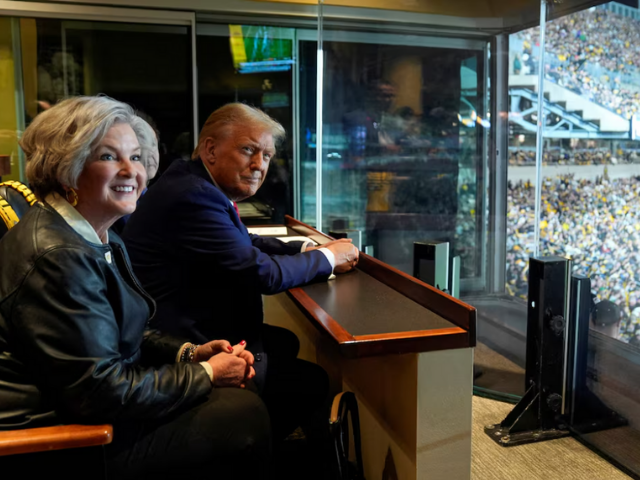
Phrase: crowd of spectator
(557,156)
(599,37)
(597,223)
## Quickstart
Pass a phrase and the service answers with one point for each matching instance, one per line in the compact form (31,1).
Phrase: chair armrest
(33,440)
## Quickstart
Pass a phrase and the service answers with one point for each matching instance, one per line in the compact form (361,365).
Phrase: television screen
(257,49)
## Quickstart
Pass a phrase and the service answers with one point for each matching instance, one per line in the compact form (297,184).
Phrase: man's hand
(208,350)
(328,244)
(232,366)
(346,256)
(228,370)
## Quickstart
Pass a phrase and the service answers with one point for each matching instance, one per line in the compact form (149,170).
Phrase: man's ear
(208,151)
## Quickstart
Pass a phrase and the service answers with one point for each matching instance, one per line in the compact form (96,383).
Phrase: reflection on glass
(67,58)
(253,65)
(523,118)
(403,130)
(9,110)
(307,132)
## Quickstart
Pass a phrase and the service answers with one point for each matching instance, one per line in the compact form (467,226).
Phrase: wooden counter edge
(408,342)
(448,307)
(31,440)
(380,344)
(306,230)
(443,304)
(321,318)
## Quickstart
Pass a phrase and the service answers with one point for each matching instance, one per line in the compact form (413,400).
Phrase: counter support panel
(404,348)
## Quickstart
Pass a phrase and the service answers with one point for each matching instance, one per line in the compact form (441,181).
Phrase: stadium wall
(588,172)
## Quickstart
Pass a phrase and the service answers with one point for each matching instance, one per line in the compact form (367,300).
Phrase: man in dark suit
(207,274)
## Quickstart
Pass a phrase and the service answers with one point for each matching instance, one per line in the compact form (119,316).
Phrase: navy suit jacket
(206,272)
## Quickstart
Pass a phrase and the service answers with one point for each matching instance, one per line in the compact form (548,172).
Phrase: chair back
(344,406)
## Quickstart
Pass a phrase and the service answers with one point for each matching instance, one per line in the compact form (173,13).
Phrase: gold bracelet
(188,353)
(192,353)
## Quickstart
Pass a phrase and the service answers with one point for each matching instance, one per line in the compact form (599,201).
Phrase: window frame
(113,15)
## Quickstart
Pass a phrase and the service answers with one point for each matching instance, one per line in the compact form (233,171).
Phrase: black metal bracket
(523,424)
(557,402)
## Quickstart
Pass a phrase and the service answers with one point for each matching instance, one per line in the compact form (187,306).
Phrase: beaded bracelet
(188,353)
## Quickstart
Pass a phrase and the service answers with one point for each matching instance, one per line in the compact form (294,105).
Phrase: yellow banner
(238,52)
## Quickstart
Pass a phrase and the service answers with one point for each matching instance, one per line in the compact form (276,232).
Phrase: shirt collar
(74,218)
(215,183)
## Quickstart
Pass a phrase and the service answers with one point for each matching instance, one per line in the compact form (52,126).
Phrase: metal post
(498,163)
(194,79)
(540,132)
(16,41)
(319,100)
(484,165)
(567,317)
(431,263)
(296,136)
(582,408)
(455,277)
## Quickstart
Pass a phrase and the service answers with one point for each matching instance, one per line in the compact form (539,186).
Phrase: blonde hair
(219,122)
(59,141)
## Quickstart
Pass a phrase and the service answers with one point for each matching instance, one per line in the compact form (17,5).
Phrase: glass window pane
(502,329)
(502,326)
(403,137)
(523,101)
(10,112)
(590,202)
(253,64)
(66,58)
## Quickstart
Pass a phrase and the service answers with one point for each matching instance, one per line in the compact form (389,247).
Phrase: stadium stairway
(580,112)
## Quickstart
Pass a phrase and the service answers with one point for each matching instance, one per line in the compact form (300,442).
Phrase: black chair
(15,201)
(344,406)
(7,215)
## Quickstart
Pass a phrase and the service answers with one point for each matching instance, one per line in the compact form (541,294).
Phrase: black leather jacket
(72,333)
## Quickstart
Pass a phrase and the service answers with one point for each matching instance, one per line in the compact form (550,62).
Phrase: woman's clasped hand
(232,365)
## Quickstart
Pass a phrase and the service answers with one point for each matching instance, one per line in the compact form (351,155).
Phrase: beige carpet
(562,459)
(499,374)
(488,358)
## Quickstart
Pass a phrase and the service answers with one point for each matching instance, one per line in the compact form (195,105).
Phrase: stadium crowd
(557,156)
(603,39)
(597,223)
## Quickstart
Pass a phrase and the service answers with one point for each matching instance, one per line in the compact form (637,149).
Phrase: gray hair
(218,123)
(146,135)
(59,141)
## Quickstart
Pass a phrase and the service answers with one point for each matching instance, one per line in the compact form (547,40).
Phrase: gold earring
(74,197)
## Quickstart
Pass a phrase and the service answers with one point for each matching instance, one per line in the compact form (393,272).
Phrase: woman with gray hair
(73,316)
